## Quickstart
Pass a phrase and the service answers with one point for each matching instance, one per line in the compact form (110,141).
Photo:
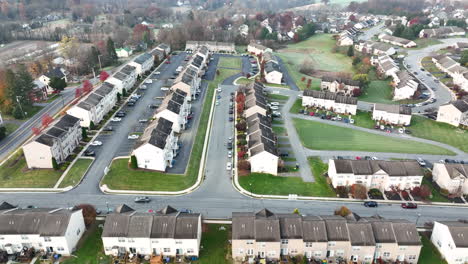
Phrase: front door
(262,254)
(50,249)
(179,251)
(284,251)
(156,251)
(132,250)
(330,253)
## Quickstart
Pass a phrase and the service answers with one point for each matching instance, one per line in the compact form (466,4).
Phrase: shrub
(133,162)
(343,211)
(242,126)
(89,213)
(359,191)
(55,164)
(342,191)
(416,191)
(425,191)
(405,194)
(84,133)
(444,192)
(243,165)
(375,192)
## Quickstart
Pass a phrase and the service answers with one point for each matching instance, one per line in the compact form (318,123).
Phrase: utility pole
(417,219)
(99,58)
(21,108)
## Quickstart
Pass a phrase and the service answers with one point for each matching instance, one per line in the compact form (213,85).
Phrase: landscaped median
(321,136)
(122,177)
(76,173)
(266,184)
(230,62)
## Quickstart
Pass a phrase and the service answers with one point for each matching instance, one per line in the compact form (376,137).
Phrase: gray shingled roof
(330,96)
(368,167)
(459,232)
(406,233)
(143,58)
(46,140)
(290,226)
(461,105)
(361,234)
(120,76)
(314,229)
(128,69)
(66,122)
(337,229)
(396,109)
(340,80)
(272,66)
(457,170)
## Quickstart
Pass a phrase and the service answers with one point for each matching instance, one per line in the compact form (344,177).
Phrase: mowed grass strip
(14,173)
(215,245)
(429,253)
(121,177)
(268,184)
(320,136)
(76,172)
(230,62)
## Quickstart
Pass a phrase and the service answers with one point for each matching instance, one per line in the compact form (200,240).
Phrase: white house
(345,40)
(167,232)
(379,174)
(213,46)
(397,41)
(175,108)
(393,114)
(142,63)
(273,72)
(442,32)
(56,142)
(53,230)
(385,65)
(342,86)
(166,48)
(374,48)
(257,48)
(122,81)
(452,177)
(454,69)
(157,146)
(405,85)
(124,52)
(51,73)
(451,239)
(108,92)
(330,101)
(244,30)
(454,113)
(131,73)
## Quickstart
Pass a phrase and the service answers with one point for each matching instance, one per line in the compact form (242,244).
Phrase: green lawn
(215,247)
(378,92)
(319,136)
(10,128)
(230,62)
(364,119)
(279,130)
(425,42)
(275,185)
(14,173)
(30,111)
(121,177)
(90,248)
(436,196)
(293,70)
(318,49)
(296,106)
(75,173)
(278,97)
(244,80)
(241,49)
(429,253)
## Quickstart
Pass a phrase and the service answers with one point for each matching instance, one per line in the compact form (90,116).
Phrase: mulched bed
(393,196)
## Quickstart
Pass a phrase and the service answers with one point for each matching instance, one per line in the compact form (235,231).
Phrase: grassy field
(296,106)
(244,80)
(15,174)
(241,49)
(278,97)
(76,173)
(429,253)
(121,177)
(10,128)
(317,49)
(293,71)
(274,185)
(29,112)
(229,62)
(378,92)
(279,130)
(436,196)
(90,248)
(425,42)
(319,136)
(215,247)
(364,119)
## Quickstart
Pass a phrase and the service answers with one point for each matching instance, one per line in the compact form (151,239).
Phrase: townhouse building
(385,65)
(374,48)
(405,43)
(451,239)
(345,40)
(255,101)
(108,92)
(157,146)
(53,230)
(166,48)
(452,177)
(442,32)
(175,108)
(454,69)
(261,142)
(131,72)
(142,63)
(268,56)
(273,73)
(330,101)
(461,45)
(124,52)
(392,114)
(342,86)
(269,236)
(167,232)
(454,113)
(405,86)
(378,174)
(213,46)
(122,81)
(56,142)
(188,81)
(257,49)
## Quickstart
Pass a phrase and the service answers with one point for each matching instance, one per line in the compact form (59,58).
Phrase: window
(439,244)
(78,232)
(2,238)
(250,252)
(190,250)
(293,251)
(308,244)
(356,248)
(378,245)
(331,244)
(386,254)
(263,244)
(131,240)
(121,239)
(412,257)
(340,253)
(178,242)
(47,239)
(249,242)
(60,249)
(318,254)
(23,237)
(271,254)
(284,241)
(154,241)
(403,247)
(241,251)
(167,250)
(108,249)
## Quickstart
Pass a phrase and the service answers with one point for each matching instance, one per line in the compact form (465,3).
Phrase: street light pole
(107,205)
(99,58)
(21,108)
(417,219)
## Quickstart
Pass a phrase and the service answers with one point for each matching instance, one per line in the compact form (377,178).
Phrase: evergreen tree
(84,133)
(350,52)
(119,97)
(25,85)
(55,164)
(57,83)
(133,162)
(111,51)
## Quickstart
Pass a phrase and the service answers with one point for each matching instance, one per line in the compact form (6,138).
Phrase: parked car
(409,205)
(229,145)
(273,107)
(96,143)
(153,106)
(109,128)
(351,121)
(116,119)
(275,103)
(284,154)
(120,114)
(143,120)
(133,136)
(371,204)
(130,103)
(149,81)
(142,199)
(164,88)
(421,162)
(229,154)
(229,166)
(89,153)
(374,158)
(231,119)
(186,211)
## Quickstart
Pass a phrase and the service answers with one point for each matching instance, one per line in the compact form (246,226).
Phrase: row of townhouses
(330,101)
(266,235)
(374,48)
(261,140)
(341,86)
(442,32)
(54,143)
(378,174)
(405,85)
(452,177)
(257,49)
(52,230)
(272,71)
(161,51)
(454,69)
(346,37)
(454,113)
(405,43)
(392,114)
(213,46)
(167,232)
(451,239)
